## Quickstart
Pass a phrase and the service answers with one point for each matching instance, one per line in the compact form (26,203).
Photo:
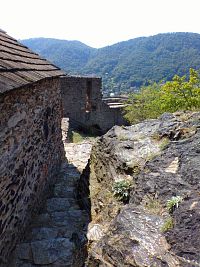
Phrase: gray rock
(57,204)
(61,190)
(23,251)
(133,239)
(16,118)
(65,218)
(162,159)
(52,250)
(44,233)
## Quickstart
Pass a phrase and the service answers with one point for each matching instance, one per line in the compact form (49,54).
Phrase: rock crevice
(161,157)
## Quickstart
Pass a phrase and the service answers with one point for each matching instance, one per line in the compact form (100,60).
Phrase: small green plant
(121,190)
(173,203)
(164,143)
(168,224)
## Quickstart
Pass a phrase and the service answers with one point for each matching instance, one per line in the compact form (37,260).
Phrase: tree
(155,99)
(180,94)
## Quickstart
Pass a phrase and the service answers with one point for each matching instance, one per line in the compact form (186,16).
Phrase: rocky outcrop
(159,223)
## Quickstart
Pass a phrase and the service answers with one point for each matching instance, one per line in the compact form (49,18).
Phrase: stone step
(68,181)
(61,204)
(40,233)
(70,171)
(57,235)
(60,218)
(40,220)
(43,232)
(57,204)
(61,190)
(66,165)
(69,218)
(44,252)
(52,250)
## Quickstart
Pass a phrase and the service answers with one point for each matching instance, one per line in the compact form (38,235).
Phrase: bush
(121,190)
(155,99)
(168,225)
(173,203)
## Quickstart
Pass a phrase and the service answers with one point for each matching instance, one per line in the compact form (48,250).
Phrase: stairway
(56,236)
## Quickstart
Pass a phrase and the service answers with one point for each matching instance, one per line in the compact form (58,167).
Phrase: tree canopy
(153,100)
(128,64)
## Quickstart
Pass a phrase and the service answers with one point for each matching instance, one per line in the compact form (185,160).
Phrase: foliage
(68,55)
(173,203)
(182,94)
(78,136)
(144,104)
(121,190)
(128,64)
(155,99)
(168,224)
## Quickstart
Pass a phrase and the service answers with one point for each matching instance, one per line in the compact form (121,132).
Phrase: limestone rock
(134,239)
(95,232)
(162,158)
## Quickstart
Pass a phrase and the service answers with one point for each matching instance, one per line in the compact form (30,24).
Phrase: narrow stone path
(56,237)
(78,153)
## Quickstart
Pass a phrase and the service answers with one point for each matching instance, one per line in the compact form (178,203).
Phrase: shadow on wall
(83,191)
(30,131)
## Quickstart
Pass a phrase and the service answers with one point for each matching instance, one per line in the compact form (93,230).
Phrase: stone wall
(82,103)
(31,153)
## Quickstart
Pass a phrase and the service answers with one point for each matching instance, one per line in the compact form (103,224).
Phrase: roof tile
(20,66)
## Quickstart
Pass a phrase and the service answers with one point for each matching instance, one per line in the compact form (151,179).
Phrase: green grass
(78,136)
(168,225)
(173,203)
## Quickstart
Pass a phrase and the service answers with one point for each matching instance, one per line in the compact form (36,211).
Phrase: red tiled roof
(20,66)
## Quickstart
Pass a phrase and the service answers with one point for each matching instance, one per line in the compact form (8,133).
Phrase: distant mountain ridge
(126,64)
(71,56)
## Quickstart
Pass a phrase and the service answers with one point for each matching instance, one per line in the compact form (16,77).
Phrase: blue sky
(98,22)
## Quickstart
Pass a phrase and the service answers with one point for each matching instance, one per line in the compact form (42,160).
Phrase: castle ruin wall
(82,103)
(31,152)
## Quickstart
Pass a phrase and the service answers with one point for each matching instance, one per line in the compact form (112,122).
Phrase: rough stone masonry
(31,152)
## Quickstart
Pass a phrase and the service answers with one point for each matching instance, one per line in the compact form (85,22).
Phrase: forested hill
(125,64)
(71,56)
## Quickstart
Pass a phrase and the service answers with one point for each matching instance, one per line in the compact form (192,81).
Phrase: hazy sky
(98,22)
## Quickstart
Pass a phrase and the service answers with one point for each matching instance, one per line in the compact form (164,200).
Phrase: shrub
(173,203)
(155,99)
(168,224)
(121,190)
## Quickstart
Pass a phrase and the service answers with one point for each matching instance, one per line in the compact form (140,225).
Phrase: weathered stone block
(49,251)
